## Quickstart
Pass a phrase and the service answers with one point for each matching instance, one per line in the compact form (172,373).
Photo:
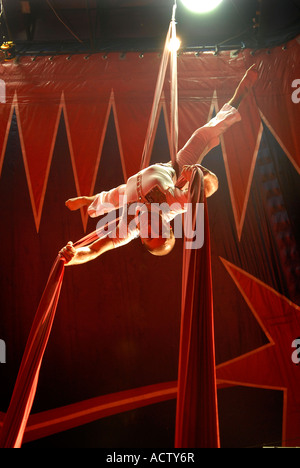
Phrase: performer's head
(155,233)
(159,246)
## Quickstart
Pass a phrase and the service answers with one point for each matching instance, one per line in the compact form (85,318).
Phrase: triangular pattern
(193,113)
(191,116)
(270,366)
(110,172)
(132,118)
(86,122)
(274,96)
(287,138)
(86,90)
(37,137)
(6,112)
(161,143)
(240,146)
(86,128)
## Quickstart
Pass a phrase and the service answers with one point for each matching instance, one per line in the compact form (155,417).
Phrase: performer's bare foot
(76,203)
(246,84)
(250,78)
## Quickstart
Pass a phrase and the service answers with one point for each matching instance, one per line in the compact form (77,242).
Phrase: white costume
(156,184)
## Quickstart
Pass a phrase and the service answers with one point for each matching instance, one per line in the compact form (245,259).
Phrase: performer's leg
(100,203)
(244,87)
(208,136)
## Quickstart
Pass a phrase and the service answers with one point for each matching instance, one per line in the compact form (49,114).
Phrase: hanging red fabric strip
(197,413)
(174,91)
(17,415)
(19,409)
(170,39)
(16,418)
(157,96)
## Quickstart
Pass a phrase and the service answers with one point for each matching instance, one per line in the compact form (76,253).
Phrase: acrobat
(156,185)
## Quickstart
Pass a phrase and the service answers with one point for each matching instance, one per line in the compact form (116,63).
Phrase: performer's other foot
(250,78)
(246,84)
(75,203)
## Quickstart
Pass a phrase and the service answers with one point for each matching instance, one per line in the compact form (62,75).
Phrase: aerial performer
(164,184)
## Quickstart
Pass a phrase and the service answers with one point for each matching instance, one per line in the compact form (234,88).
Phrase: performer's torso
(157,175)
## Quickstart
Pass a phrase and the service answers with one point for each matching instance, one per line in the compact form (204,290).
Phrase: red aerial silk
(171,36)
(197,412)
(22,399)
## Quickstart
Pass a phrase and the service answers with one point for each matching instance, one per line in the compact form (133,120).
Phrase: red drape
(197,413)
(149,140)
(16,418)
(25,388)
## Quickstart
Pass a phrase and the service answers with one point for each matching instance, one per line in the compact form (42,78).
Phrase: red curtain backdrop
(74,126)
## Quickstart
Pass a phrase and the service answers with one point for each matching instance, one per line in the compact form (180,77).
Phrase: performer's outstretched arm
(123,233)
(81,255)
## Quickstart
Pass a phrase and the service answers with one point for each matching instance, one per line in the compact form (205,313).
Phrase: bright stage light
(201,6)
(174,44)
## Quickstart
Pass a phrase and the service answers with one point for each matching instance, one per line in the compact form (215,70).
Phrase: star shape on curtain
(270,366)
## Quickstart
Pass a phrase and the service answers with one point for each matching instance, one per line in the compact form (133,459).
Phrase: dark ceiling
(60,26)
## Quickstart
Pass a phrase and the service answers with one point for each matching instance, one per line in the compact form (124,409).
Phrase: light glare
(201,6)
(174,44)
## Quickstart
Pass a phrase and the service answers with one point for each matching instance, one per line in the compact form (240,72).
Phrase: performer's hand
(68,252)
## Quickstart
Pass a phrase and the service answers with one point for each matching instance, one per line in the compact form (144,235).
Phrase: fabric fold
(197,423)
